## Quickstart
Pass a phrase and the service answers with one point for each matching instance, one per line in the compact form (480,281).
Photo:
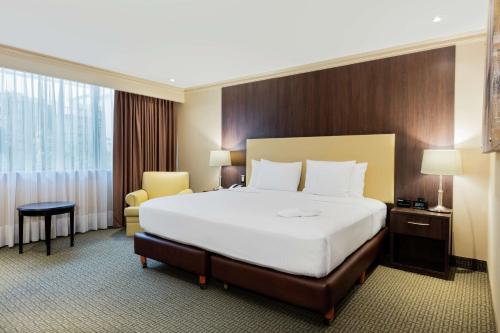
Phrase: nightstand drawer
(422,226)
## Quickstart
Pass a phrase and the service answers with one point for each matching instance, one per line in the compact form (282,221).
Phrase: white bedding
(244,225)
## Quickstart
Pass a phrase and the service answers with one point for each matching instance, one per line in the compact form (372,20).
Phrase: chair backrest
(160,184)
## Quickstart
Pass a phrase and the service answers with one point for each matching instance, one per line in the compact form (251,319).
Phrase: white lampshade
(444,162)
(220,158)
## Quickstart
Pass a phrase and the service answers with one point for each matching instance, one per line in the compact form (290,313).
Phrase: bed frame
(189,258)
(317,294)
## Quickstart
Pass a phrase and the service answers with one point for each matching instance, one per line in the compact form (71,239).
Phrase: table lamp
(220,158)
(441,162)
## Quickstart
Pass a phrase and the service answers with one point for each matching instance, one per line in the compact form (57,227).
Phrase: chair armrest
(136,198)
(186,191)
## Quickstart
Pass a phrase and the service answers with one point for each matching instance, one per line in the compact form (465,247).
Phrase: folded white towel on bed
(298,212)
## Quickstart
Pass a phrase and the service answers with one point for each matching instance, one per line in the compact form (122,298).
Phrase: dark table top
(46,206)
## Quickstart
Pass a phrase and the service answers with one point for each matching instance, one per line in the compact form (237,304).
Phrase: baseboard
(469,263)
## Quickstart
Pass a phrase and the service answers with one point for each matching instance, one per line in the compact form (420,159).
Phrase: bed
(236,235)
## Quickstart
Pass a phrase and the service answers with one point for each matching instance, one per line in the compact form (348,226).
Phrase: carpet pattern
(99,286)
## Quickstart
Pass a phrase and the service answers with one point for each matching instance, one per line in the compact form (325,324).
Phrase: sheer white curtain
(55,145)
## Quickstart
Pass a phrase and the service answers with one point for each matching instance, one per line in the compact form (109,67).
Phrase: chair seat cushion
(132,211)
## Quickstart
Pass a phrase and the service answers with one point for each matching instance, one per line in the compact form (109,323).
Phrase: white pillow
(329,178)
(358,180)
(255,173)
(279,176)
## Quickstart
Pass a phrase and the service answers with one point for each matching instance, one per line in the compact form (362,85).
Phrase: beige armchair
(154,185)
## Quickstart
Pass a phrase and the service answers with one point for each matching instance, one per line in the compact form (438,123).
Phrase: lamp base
(440,209)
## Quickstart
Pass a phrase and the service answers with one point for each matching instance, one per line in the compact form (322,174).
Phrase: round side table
(47,209)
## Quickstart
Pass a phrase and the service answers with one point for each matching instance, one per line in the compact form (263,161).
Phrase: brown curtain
(144,139)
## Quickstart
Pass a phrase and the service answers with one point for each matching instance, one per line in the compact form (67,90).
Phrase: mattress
(243,224)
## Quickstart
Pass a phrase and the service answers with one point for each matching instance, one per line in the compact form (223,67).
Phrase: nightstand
(420,241)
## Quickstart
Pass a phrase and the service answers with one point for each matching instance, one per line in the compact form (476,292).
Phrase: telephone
(235,186)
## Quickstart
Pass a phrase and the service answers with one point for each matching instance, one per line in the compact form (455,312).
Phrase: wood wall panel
(410,95)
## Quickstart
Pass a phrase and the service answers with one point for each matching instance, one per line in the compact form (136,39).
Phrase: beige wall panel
(198,132)
(470,205)
(470,190)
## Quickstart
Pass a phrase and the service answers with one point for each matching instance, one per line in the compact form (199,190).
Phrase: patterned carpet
(99,286)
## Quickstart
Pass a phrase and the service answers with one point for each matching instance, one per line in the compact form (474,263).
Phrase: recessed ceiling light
(172,80)
(436,19)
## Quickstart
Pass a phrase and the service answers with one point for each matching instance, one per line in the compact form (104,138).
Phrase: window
(55,145)
(49,124)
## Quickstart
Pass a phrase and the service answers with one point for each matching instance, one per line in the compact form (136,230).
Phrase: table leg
(48,225)
(72,226)
(21,232)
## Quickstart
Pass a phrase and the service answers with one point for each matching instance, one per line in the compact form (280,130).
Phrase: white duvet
(243,224)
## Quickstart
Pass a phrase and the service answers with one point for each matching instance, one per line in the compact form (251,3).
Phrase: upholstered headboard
(376,149)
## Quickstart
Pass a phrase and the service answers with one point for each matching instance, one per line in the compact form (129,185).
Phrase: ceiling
(198,42)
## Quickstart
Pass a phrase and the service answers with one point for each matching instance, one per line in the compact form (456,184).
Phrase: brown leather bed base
(320,295)
(189,258)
